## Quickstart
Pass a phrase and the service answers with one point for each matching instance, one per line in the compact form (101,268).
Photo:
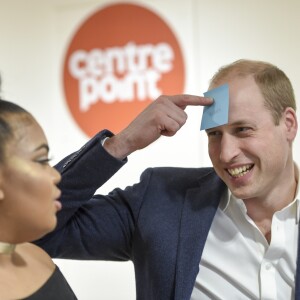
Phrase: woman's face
(28,191)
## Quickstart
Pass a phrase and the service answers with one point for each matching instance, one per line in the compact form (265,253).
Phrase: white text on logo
(120,73)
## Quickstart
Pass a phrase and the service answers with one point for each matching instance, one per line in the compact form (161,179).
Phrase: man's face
(251,154)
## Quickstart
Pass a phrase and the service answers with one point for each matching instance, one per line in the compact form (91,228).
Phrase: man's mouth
(240,171)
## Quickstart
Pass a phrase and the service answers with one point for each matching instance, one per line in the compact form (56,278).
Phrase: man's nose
(229,148)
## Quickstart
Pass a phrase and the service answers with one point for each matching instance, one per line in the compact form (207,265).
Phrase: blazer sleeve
(93,226)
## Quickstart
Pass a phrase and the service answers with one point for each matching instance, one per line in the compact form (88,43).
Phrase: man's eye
(213,133)
(243,129)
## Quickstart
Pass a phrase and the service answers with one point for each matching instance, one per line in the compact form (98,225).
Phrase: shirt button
(268,266)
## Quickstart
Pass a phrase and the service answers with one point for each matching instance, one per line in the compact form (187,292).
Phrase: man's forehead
(216,114)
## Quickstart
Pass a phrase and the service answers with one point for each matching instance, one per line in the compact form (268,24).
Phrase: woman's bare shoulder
(24,271)
(35,254)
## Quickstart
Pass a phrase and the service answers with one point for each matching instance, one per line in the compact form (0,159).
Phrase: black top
(56,288)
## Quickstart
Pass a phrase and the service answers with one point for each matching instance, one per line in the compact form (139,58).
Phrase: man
(227,232)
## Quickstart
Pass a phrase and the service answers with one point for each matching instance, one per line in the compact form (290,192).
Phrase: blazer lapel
(198,211)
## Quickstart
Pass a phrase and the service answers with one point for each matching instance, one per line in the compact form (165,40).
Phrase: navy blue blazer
(160,224)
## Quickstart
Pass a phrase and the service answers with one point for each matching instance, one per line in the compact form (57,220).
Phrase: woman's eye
(43,161)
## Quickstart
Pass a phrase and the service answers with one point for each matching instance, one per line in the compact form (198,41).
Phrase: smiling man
(257,225)
(227,232)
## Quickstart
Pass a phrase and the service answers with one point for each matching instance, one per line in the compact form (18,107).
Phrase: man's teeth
(238,172)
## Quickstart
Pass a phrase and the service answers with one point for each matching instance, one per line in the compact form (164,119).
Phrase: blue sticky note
(216,114)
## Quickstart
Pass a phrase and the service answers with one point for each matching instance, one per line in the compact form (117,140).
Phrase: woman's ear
(1,190)
(1,187)
(291,123)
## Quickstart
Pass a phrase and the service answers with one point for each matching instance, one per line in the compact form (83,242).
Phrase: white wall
(34,36)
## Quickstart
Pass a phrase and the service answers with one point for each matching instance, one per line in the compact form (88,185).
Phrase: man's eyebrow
(239,123)
(43,146)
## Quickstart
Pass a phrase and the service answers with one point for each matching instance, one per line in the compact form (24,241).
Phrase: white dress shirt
(237,261)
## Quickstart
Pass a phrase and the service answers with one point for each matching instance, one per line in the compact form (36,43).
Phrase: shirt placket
(268,265)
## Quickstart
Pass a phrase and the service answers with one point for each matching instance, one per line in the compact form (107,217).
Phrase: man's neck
(261,211)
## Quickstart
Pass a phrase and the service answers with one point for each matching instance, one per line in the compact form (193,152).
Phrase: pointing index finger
(184,100)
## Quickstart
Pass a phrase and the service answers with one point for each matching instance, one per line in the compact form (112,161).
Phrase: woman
(28,206)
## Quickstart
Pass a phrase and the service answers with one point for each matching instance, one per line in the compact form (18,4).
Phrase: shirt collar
(297,194)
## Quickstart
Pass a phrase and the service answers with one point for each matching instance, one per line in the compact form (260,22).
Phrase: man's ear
(291,123)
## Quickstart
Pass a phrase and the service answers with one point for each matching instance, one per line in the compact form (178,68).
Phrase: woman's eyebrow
(43,146)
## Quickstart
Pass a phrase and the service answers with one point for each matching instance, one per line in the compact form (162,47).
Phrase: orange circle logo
(120,59)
